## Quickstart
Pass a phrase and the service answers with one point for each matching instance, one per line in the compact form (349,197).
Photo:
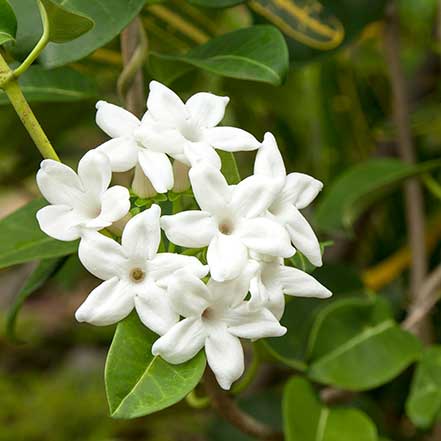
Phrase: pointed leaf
(137,383)
(257,53)
(8,22)
(21,239)
(306,419)
(229,167)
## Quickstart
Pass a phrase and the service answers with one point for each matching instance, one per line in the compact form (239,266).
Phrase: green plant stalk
(10,85)
(197,402)
(250,374)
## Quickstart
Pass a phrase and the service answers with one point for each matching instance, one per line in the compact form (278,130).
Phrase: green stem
(197,402)
(432,185)
(9,84)
(42,43)
(250,374)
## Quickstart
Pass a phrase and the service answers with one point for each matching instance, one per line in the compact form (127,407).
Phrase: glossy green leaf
(56,85)
(360,186)
(356,345)
(300,313)
(137,383)
(8,22)
(423,405)
(45,269)
(21,239)
(306,419)
(64,25)
(110,17)
(257,53)
(229,167)
(216,3)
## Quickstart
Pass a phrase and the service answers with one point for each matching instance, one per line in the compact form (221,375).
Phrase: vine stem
(10,85)
(228,409)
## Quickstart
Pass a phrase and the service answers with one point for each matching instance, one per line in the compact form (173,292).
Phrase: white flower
(215,317)
(134,275)
(79,202)
(273,279)
(124,151)
(231,223)
(181,130)
(296,191)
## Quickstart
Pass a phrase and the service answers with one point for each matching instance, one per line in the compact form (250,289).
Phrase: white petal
(210,189)
(252,196)
(155,309)
(122,153)
(269,161)
(231,139)
(115,204)
(300,189)
(206,108)
(303,237)
(298,283)
(158,169)
(246,322)
(163,266)
(109,303)
(114,120)
(165,106)
(94,172)
(189,295)
(59,222)
(59,184)
(142,234)
(180,173)
(266,236)
(226,256)
(102,256)
(191,229)
(182,342)
(153,136)
(225,357)
(195,152)
(141,184)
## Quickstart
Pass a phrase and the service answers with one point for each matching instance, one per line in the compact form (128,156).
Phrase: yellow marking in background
(165,36)
(302,15)
(107,56)
(179,23)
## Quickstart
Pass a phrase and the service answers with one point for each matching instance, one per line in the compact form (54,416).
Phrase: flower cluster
(242,233)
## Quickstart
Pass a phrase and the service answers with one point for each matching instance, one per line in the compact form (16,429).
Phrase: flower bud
(141,185)
(180,172)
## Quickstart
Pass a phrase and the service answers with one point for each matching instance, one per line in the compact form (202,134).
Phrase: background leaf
(137,383)
(56,85)
(229,167)
(306,419)
(216,3)
(423,405)
(356,345)
(21,239)
(360,186)
(8,22)
(257,53)
(65,25)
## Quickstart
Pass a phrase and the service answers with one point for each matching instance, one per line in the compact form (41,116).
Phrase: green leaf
(110,17)
(306,419)
(229,167)
(356,345)
(45,269)
(56,85)
(137,383)
(64,25)
(216,3)
(359,187)
(21,239)
(423,405)
(8,22)
(257,53)
(300,313)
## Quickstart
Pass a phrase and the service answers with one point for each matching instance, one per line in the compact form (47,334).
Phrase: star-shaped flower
(124,150)
(215,317)
(295,191)
(232,222)
(182,129)
(79,202)
(273,279)
(134,275)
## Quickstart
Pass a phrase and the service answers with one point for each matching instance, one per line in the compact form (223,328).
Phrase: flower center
(226,227)
(190,132)
(208,314)
(137,275)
